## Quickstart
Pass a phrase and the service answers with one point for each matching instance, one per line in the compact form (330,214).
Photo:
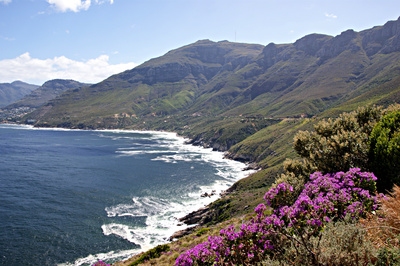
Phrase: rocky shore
(197,219)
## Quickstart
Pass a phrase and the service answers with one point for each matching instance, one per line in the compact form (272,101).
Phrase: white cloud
(103,1)
(73,5)
(330,15)
(70,5)
(8,1)
(37,71)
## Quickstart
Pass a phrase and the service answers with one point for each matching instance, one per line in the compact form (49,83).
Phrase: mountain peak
(312,43)
(19,83)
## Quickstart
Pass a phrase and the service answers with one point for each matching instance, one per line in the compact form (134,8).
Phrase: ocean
(73,197)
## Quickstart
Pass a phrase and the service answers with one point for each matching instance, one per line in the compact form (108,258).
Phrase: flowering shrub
(101,263)
(325,198)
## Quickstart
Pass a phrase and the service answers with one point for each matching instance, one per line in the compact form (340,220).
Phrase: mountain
(11,92)
(162,86)
(219,93)
(48,91)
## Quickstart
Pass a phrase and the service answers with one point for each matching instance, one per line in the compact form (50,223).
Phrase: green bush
(388,256)
(202,231)
(384,151)
(340,143)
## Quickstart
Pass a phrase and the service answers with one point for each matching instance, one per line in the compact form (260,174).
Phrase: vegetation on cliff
(324,222)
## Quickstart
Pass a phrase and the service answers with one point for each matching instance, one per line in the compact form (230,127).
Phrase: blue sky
(89,40)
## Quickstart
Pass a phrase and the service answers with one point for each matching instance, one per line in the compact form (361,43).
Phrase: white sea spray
(162,214)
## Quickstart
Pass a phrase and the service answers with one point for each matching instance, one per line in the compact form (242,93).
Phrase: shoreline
(191,219)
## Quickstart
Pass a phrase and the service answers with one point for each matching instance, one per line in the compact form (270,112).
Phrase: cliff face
(206,78)
(384,39)
(200,61)
(318,72)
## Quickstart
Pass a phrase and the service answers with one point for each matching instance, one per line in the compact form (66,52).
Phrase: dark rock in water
(182,233)
(195,217)
(206,194)
(252,166)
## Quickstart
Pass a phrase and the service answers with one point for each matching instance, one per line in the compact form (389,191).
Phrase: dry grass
(384,228)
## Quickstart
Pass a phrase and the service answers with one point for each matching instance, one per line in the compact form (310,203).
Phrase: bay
(72,197)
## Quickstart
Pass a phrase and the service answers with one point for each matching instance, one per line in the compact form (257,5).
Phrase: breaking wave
(149,221)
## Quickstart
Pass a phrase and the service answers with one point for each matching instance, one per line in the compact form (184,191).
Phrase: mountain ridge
(194,88)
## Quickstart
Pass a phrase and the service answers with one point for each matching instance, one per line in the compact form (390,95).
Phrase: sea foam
(161,214)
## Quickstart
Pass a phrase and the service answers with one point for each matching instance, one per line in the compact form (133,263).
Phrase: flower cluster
(203,254)
(325,198)
(276,197)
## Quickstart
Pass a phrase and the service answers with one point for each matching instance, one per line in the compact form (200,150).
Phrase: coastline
(191,219)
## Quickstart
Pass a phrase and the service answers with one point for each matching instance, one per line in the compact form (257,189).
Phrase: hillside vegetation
(252,101)
(328,217)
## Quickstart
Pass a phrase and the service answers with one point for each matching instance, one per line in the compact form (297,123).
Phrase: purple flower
(323,199)
(101,263)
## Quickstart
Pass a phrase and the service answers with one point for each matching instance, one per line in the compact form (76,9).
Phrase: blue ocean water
(71,197)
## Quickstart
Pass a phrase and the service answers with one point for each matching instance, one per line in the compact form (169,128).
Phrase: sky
(90,40)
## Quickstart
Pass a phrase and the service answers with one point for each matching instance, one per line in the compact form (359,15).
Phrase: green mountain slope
(162,86)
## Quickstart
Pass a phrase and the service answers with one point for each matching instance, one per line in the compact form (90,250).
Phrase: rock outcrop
(195,217)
